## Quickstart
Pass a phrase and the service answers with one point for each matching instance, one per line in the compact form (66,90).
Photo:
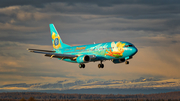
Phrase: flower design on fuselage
(117,50)
(56,40)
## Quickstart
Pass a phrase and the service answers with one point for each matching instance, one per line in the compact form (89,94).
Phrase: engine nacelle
(83,59)
(118,60)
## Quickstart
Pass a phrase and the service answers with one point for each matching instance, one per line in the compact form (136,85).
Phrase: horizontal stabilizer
(32,50)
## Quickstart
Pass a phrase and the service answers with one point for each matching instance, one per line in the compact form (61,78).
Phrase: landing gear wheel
(100,65)
(82,65)
(126,62)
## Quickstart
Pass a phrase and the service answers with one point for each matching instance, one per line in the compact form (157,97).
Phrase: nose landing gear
(127,62)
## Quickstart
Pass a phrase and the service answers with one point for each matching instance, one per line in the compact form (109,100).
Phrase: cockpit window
(129,46)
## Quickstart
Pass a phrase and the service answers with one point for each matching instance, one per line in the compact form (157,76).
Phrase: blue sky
(152,26)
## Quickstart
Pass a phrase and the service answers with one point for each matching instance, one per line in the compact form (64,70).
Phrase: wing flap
(62,57)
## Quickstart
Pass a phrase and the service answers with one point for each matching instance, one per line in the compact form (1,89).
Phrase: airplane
(116,51)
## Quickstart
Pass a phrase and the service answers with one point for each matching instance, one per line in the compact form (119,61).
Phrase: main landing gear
(101,65)
(82,65)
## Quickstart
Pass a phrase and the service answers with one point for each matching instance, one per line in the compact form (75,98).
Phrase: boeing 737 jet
(116,51)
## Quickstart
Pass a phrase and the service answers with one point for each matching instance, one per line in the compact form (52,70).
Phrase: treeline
(17,96)
(88,100)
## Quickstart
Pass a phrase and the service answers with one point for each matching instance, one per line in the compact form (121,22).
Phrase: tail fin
(56,40)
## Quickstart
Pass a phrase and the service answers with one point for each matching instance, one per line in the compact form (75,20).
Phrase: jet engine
(83,59)
(118,60)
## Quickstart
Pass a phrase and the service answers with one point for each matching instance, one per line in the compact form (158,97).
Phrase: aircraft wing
(52,54)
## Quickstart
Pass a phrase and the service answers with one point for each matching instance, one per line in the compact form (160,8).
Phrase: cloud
(24,23)
(75,17)
(15,63)
(140,83)
(106,3)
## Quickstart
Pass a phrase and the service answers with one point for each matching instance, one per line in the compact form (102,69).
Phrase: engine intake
(83,59)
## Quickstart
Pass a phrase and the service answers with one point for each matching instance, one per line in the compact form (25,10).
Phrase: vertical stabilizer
(56,39)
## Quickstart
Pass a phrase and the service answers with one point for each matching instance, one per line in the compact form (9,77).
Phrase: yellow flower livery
(56,40)
(117,51)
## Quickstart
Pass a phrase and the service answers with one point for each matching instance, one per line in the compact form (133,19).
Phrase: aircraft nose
(134,50)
